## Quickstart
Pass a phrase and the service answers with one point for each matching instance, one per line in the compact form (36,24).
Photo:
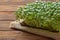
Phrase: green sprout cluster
(45,15)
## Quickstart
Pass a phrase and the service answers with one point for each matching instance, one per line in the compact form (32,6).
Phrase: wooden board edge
(35,31)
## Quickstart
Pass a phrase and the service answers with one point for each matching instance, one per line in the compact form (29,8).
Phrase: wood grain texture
(10,7)
(20,2)
(57,0)
(19,35)
(7,8)
(45,33)
(7,16)
(11,0)
(4,26)
(17,0)
(27,36)
(6,1)
(8,34)
(5,19)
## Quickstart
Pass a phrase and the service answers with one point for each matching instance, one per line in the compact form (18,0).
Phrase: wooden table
(7,8)
(9,34)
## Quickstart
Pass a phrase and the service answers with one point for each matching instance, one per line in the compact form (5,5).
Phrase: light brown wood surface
(15,2)
(7,8)
(9,34)
(10,7)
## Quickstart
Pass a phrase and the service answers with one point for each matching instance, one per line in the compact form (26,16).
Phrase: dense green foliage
(45,15)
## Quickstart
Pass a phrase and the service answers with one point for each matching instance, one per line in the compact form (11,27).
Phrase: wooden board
(17,25)
(5,15)
(6,33)
(7,8)
(18,35)
(4,25)
(15,2)
(19,2)
(10,7)
(23,0)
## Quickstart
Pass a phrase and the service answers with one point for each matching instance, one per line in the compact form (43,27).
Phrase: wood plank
(51,0)
(4,26)
(16,0)
(8,33)
(5,19)
(19,35)
(7,38)
(7,2)
(26,36)
(45,33)
(19,2)
(57,0)
(10,7)
(11,0)
(13,3)
(7,16)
